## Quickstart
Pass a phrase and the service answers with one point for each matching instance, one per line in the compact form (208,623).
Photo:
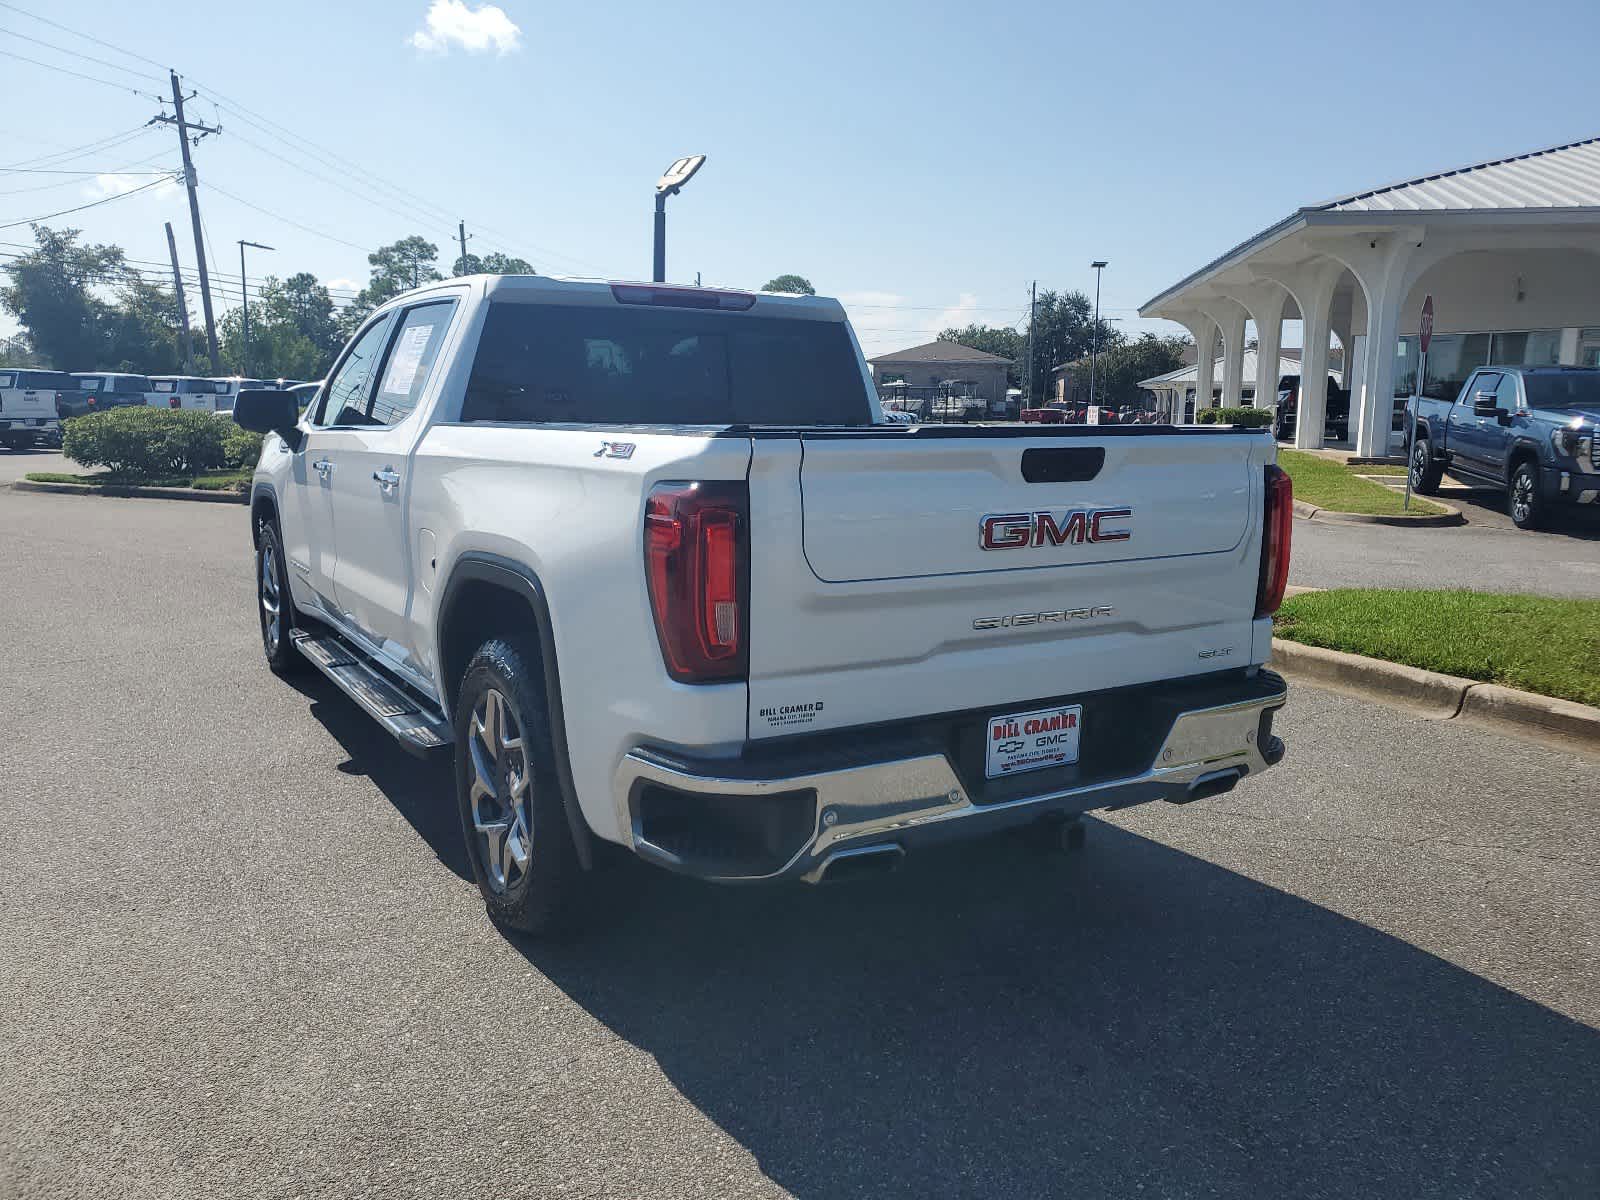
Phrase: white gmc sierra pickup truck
(649,563)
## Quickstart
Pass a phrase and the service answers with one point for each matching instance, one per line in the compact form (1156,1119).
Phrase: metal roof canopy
(1556,185)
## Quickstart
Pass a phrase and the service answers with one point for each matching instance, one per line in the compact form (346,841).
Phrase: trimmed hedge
(1252,417)
(137,443)
(240,448)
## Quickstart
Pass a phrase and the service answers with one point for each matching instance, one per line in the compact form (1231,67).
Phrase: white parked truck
(646,561)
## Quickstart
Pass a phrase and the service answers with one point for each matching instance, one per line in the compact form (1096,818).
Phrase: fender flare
(1523,447)
(483,567)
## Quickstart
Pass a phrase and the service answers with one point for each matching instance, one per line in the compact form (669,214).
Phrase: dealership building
(1506,249)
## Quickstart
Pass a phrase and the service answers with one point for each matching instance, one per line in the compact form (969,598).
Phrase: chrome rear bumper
(904,801)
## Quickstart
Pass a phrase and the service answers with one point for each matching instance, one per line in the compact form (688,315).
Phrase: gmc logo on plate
(1011,531)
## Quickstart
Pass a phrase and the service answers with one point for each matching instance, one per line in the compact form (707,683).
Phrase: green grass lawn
(1329,484)
(1535,643)
(1394,469)
(218,481)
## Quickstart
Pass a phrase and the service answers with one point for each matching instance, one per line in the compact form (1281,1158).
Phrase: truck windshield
(1564,390)
(643,366)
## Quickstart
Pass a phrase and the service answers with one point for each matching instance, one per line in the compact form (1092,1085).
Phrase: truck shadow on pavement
(421,791)
(993,1021)
(997,1022)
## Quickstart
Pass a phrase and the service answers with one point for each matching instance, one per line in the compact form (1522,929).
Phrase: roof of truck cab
(556,289)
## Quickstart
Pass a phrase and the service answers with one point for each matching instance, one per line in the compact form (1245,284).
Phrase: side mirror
(264,411)
(1483,404)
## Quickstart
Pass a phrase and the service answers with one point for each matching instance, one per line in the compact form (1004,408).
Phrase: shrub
(1251,417)
(138,443)
(240,448)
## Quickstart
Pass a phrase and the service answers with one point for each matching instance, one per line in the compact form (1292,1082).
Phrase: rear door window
(640,365)
(8,379)
(89,383)
(410,361)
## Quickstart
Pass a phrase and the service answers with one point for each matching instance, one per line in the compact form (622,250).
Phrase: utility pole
(1033,301)
(1094,352)
(183,305)
(244,298)
(461,229)
(184,128)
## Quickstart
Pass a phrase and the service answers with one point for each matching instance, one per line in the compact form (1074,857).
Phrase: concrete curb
(1310,512)
(1444,697)
(128,490)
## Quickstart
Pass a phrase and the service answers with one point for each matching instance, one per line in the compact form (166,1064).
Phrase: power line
(287,221)
(86,37)
(59,70)
(92,204)
(76,54)
(127,170)
(56,158)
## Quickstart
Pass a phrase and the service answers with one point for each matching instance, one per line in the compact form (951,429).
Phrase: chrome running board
(387,702)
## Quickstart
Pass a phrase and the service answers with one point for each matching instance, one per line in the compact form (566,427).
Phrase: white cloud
(343,285)
(475,30)
(102,187)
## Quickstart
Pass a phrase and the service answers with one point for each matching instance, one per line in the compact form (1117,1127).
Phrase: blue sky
(923,161)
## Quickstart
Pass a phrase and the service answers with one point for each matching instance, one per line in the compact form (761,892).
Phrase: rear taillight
(697,564)
(173,403)
(1276,529)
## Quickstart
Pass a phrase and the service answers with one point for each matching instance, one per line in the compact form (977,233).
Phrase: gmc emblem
(1011,531)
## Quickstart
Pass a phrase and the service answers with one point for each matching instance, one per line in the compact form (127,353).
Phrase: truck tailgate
(919,572)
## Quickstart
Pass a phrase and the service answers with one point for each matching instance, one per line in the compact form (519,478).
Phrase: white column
(1265,303)
(1204,363)
(1229,318)
(1316,300)
(1204,331)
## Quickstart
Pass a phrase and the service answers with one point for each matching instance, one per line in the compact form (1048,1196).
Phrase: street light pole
(670,184)
(244,298)
(1094,350)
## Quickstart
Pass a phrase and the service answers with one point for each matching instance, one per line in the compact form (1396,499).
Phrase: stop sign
(1426,327)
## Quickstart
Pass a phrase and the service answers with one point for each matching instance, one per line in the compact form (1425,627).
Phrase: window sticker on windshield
(406,359)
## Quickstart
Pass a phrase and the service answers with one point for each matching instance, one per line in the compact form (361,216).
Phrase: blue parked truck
(1529,430)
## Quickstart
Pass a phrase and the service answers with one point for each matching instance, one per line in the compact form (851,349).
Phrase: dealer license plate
(1031,741)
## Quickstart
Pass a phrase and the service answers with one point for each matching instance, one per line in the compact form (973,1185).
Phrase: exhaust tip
(857,864)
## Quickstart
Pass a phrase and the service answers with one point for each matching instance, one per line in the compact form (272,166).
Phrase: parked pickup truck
(1529,430)
(642,560)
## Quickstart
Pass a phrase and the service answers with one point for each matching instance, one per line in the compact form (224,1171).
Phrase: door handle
(387,479)
(323,466)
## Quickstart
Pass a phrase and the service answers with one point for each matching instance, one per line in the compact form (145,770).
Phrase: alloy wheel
(1521,496)
(500,792)
(1419,465)
(271,597)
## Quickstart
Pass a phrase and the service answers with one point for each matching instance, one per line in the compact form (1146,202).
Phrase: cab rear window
(642,366)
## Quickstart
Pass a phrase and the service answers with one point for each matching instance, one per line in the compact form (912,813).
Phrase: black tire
(1523,498)
(508,793)
(1426,471)
(1277,431)
(272,587)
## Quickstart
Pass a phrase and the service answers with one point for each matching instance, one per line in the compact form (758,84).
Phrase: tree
(994,339)
(51,294)
(794,285)
(1063,331)
(493,263)
(293,333)
(1118,370)
(397,267)
(142,331)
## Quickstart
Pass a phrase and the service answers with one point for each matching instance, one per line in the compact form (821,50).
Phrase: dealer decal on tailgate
(1032,741)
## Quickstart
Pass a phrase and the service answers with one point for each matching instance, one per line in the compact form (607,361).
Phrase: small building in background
(938,364)
(1177,388)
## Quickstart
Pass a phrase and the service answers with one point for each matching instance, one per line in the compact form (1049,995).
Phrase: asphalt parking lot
(241,956)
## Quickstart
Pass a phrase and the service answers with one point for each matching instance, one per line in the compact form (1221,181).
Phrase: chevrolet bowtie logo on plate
(1013,531)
